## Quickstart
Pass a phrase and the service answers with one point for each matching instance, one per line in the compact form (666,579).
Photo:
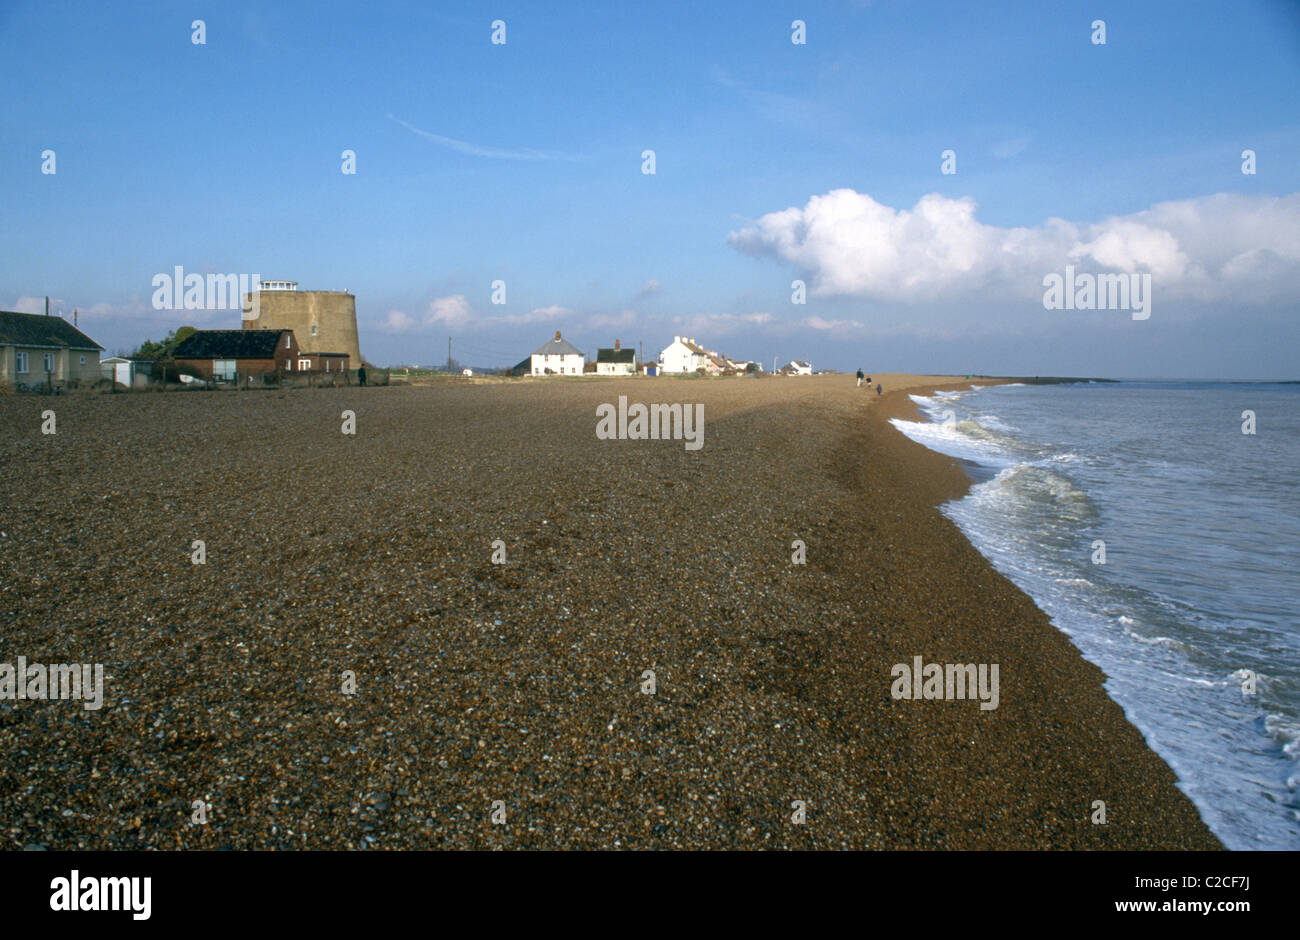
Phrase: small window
(313,329)
(288,340)
(49,362)
(83,360)
(22,362)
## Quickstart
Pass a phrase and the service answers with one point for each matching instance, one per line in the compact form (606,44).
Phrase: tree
(164,350)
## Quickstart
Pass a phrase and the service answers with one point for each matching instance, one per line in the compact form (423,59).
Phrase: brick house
(221,354)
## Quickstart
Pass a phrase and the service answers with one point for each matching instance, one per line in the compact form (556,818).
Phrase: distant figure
(868,381)
(361,376)
(877,388)
(860,376)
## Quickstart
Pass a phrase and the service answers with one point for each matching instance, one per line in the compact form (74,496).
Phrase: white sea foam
(1157,616)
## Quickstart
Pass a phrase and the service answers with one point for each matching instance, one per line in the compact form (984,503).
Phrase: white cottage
(556,357)
(616,361)
(684,355)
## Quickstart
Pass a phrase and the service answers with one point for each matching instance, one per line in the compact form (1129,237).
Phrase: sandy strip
(523,682)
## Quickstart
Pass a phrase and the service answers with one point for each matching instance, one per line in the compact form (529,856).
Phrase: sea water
(1200,583)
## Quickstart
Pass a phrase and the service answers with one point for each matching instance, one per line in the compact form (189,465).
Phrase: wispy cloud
(723,323)
(456,312)
(833,326)
(1013,147)
(477,150)
(778,107)
(604,321)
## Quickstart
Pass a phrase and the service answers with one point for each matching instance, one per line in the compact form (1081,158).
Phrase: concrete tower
(322,320)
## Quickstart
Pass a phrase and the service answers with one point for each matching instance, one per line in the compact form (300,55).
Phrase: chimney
(74,316)
(615,345)
(557,336)
(47,305)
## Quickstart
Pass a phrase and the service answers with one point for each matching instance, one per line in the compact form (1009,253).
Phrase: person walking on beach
(361,376)
(877,388)
(859,378)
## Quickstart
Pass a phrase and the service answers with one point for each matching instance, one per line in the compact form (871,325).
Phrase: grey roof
(230,344)
(36,329)
(557,347)
(616,355)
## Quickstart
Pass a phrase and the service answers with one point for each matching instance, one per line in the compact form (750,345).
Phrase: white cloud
(399,322)
(601,321)
(34,305)
(536,315)
(722,323)
(1218,247)
(453,311)
(650,288)
(818,323)
(456,312)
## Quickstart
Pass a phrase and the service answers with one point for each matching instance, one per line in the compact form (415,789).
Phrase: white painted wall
(570,364)
(680,358)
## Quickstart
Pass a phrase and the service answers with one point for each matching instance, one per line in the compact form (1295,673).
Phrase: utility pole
(448,353)
(774,358)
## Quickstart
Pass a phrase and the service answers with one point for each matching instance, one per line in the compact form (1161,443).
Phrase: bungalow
(684,355)
(557,357)
(38,348)
(616,361)
(797,367)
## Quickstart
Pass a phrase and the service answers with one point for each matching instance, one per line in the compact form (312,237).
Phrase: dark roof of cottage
(557,347)
(36,329)
(616,355)
(230,344)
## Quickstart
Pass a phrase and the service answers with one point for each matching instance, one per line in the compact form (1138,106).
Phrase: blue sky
(522,162)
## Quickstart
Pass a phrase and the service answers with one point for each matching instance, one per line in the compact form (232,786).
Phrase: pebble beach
(505,705)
